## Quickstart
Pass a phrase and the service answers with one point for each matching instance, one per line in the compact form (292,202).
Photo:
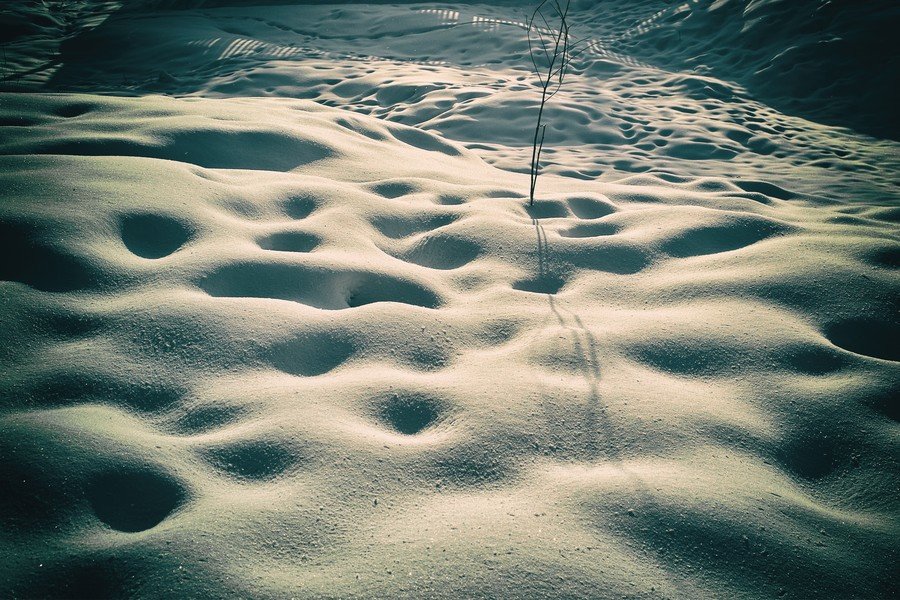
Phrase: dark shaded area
(419,352)
(133,501)
(590,208)
(252,460)
(812,457)
(31,499)
(311,354)
(25,258)
(396,227)
(836,63)
(394,189)
(408,413)
(70,111)
(440,251)
(300,207)
(545,283)
(381,288)
(813,360)
(77,579)
(765,188)
(883,400)
(470,466)
(685,359)
(730,548)
(17,23)
(68,388)
(261,280)
(888,256)
(425,141)
(694,358)
(206,418)
(318,287)
(714,239)
(290,241)
(600,254)
(69,325)
(153,236)
(547,209)
(212,148)
(875,338)
(586,230)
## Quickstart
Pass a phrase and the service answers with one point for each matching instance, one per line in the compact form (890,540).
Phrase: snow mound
(692,89)
(279,349)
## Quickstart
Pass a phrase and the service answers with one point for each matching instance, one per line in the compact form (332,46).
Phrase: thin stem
(557,67)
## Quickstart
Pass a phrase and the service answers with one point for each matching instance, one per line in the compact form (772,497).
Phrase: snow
(279,321)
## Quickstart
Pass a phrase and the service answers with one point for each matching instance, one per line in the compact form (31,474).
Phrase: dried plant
(550,50)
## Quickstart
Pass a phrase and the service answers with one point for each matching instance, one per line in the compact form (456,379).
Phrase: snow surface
(279,321)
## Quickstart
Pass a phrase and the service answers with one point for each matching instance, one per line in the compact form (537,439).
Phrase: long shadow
(598,434)
(597,426)
(596,420)
(541,246)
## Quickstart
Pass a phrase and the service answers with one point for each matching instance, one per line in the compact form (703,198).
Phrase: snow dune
(278,321)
